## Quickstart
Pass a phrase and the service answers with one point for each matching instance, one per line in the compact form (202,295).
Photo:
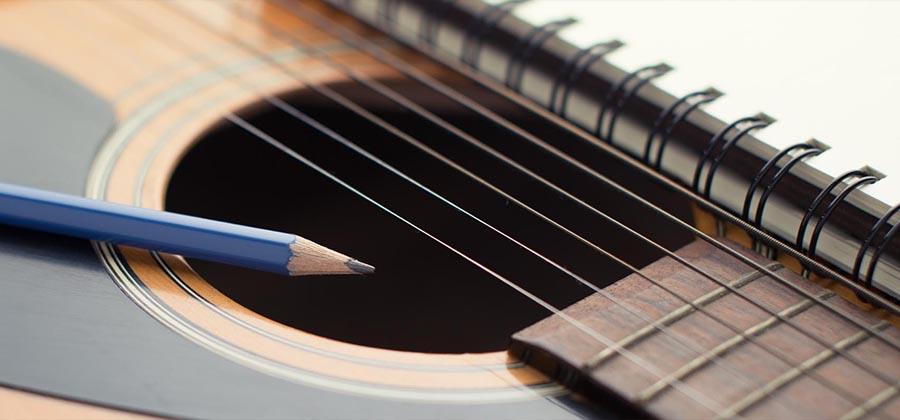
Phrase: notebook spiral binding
(814,240)
(869,241)
(622,92)
(428,27)
(617,98)
(388,12)
(693,101)
(814,206)
(572,70)
(880,250)
(759,121)
(480,26)
(748,124)
(773,182)
(526,48)
(765,170)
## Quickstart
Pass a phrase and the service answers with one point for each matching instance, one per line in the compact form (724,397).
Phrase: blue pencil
(189,236)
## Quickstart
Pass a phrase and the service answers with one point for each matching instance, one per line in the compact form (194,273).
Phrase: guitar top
(514,281)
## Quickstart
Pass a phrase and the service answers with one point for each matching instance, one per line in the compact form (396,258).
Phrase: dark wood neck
(761,366)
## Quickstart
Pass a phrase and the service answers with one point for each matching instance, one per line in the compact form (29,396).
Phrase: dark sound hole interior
(423,297)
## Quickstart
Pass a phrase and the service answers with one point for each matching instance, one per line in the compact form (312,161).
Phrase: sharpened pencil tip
(310,258)
(360,267)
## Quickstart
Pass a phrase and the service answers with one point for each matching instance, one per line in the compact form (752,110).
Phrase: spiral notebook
(801,96)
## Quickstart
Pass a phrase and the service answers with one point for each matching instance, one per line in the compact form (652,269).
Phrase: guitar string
(324,90)
(739,332)
(282,105)
(390,59)
(685,389)
(232,71)
(355,108)
(814,298)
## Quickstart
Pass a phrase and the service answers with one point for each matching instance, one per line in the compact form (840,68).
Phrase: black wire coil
(387,12)
(717,160)
(829,210)
(617,98)
(870,275)
(869,241)
(621,92)
(862,178)
(526,48)
(817,201)
(779,175)
(480,26)
(766,169)
(672,118)
(572,70)
(749,123)
(428,27)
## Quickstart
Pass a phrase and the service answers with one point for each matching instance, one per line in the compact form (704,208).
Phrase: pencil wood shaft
(190,236)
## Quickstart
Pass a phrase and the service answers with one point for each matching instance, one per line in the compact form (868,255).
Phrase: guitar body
(495,229)
(103,106)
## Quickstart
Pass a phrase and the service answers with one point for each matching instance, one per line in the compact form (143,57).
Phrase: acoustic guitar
(527,268)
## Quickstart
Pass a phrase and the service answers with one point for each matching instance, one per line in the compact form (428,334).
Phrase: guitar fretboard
(741,359)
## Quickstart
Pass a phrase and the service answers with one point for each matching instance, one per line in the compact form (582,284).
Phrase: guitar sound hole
(423,297)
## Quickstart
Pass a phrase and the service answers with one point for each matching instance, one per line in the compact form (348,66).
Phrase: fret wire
(391,60)
(873,403)
(673,317)
(399,64)
(757,396)
(731,344)
(381,89)
(687,390)
(346,70)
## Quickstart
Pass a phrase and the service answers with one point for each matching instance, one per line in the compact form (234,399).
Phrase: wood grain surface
(70,330)
(747,380)
(148,334)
